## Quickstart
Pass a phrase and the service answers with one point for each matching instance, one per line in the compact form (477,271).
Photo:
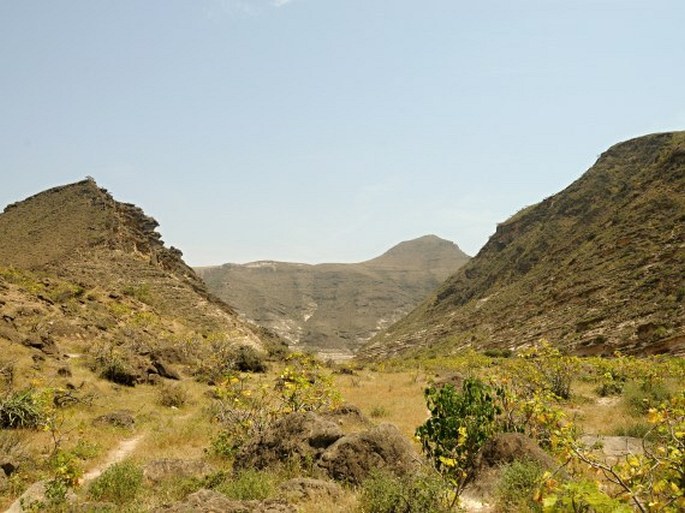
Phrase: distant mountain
(335,308)
(596,268)
(76,265)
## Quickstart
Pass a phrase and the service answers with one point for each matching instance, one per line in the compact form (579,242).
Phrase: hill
(82,272)
(335,308)
(595,268)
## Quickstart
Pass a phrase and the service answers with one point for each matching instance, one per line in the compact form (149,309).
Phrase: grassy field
(605,397)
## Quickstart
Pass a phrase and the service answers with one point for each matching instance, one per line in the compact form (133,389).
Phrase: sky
(328,130)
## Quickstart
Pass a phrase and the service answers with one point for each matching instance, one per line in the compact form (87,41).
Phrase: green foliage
(305,386)
(459,425)
(172,395)
(248,359)
(645,393)
(66,471)
(551,370)
(383,492)
(24,409)
(517,486)
(121,483)
(580,496)
(113,364)
(142,292)
(249,485)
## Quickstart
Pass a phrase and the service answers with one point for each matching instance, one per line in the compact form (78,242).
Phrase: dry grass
(398,395)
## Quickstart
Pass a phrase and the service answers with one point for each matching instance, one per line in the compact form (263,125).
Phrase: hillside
(595,268)
(335,308)
(82,272)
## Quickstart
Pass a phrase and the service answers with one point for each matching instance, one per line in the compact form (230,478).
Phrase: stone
(303,435)
(352,458)
(159,470)
(305,488)
(210,501)
(120,418)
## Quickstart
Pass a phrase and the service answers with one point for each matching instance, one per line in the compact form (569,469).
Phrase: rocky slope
(78,268)
(334,308)
(596,268)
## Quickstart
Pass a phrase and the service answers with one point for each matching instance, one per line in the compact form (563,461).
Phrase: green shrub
(248,359)
(121,483)
(249,485)
(23,409)
(644,394)
(172,395)
(384,492)
(517,485)
(460,424)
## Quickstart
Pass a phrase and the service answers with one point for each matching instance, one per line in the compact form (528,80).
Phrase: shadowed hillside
(595,268)
(336,307)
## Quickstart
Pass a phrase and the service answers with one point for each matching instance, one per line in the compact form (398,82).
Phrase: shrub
(249,485)
(23,409)
(304,386)
(384,492)
(172,396)
(248,359)
(517,485)
(459,425)
(646,393)
(120,483)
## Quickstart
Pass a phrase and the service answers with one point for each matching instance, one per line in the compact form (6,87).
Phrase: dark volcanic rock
(354,456)
(303,435)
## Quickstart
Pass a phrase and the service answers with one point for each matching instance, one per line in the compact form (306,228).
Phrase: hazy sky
(328,130)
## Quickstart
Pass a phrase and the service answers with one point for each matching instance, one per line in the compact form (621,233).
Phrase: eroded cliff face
(595,268)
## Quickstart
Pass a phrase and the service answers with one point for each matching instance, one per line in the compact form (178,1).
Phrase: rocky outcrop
(210,501)
(301,435)
(352,458)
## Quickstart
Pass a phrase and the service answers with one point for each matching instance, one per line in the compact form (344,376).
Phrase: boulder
(209,501)
(305,488)
(506,448)
(159,470)
(303,435)
(353,457)
(120,418)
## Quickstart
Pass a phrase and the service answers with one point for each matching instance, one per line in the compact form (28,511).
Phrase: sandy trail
(37,490)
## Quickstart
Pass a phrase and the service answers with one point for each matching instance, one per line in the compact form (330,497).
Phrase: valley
(545,374)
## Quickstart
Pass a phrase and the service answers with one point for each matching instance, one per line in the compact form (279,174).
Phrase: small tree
(460,424)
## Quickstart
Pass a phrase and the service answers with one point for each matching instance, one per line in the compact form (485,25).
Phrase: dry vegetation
(393,393)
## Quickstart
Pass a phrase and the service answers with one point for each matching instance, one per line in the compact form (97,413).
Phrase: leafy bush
(23,409)
(517,485)
(121,483)
(384,492)
(645,393)
(459,425)
(305,386)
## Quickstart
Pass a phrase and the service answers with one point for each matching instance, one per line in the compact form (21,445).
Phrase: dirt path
(118,454)
(36,491)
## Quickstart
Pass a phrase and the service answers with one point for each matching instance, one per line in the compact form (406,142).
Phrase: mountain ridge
(89,268)
(335,307)
(594,268)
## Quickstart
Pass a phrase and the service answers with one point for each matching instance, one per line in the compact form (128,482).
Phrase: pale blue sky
(328,130)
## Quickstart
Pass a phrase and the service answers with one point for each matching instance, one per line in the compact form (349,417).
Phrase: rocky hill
(335,308)
(78,268)
(596,268)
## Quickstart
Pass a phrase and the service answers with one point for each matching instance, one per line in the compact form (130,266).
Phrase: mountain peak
(426,252)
